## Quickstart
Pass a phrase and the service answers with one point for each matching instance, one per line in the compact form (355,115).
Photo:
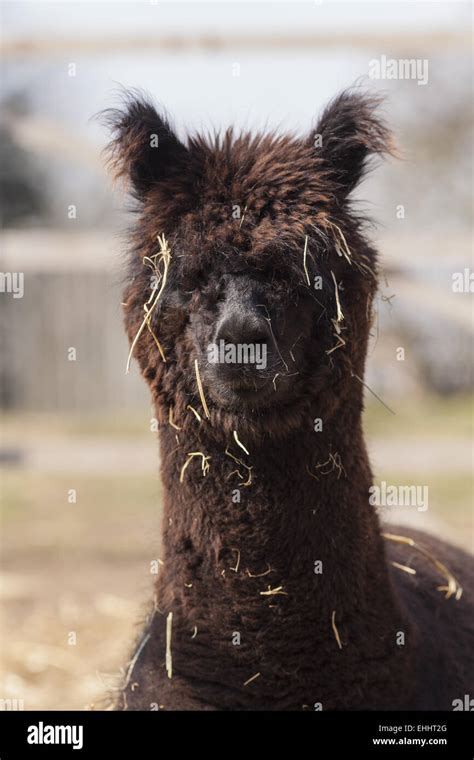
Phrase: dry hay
(162,256)
(452,587)
(204,463)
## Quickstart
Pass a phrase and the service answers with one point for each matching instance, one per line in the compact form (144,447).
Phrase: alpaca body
(221,560)
(277,589)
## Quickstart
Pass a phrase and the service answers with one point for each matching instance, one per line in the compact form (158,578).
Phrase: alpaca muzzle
(240,350)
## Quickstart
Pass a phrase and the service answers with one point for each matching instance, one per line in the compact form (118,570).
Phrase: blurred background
(79,481)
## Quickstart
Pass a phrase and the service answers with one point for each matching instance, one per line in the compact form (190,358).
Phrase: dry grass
(246,467)
(239,443)
(237,564)
(196,414)
(169,657)
(162,256)
(305,253)
(278,591)
(405,568)
(201,389)
(204,463)
(340,243)
(259,575)
(334,462)
(453,587)
(342,249)
(334,628)
(252,678)
(374,394)
(123,687)
(171,422)
(339,314)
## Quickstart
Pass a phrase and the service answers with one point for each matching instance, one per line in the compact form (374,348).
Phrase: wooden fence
(71,300)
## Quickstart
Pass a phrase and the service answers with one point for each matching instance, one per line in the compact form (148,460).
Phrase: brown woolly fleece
(281,587)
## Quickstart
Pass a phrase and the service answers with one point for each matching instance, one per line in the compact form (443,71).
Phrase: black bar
(147,734)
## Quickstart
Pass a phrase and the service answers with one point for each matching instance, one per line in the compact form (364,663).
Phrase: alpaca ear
(348,133)
(144,149)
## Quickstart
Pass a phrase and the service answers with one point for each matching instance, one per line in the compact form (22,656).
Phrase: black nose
(242,327)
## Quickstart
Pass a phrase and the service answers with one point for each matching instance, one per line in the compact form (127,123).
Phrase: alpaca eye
(190,283)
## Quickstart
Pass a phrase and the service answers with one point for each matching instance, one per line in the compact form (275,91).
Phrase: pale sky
(38,18)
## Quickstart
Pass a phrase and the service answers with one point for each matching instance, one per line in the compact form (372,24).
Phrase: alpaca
(277,588)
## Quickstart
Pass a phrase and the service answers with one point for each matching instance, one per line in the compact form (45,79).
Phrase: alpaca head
(270,280)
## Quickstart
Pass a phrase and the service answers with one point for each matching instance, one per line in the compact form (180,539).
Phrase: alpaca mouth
(240,400)
(242,391)
(244,383)
(246,392)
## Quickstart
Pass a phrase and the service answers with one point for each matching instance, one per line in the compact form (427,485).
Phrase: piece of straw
(315,477)
(236,568)
(259,575)
(453,587)
(196,414)
(252,678)
(305,252)
(132,664)
(345,250)
(353,374)
(334,628)
(274,592)
(169,659)
(405,568)
(243,217)
(204,464)
(164,254)
(170,420)
(336,461)
(342,249)
(200,389)
(340,342)
(340,315)
(239,443)
(242,464)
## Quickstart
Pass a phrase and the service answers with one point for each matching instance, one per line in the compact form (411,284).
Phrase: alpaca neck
(303,525)
(284,579)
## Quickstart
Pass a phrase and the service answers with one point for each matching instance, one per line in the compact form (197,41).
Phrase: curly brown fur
(241,541)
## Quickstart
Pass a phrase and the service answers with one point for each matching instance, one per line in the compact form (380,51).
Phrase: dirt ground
(80,524)
(76,583)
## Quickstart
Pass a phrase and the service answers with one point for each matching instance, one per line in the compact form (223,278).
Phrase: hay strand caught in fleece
(204,464)
(164,256)
(252,678)
(239,443)
(171,421)
(342,249)
(453,587)
(274,591)
(305,253)
(169,657)
(340,315)
(241,464)
(196,414)
(405,568)
(334,628)
(201,389)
